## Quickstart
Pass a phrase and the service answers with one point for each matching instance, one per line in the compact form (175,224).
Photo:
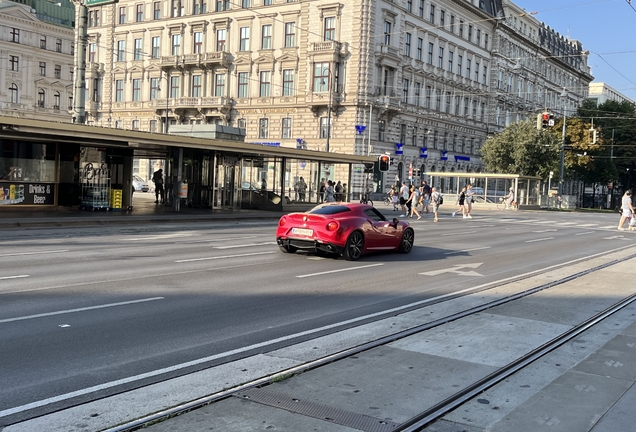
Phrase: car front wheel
(408,238)
(354,247)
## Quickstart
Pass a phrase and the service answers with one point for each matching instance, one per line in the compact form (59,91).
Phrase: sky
(606,28)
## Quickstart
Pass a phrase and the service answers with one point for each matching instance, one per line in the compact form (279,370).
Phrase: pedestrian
(461,201)
(627,209)
(404,196)
(321,190)
(344,192)
(338,190)
(330,192)
(469,200)
(263,185)
(395,198)
(157,178)
(426,196)
(302,189)
(414,199)
(436,201)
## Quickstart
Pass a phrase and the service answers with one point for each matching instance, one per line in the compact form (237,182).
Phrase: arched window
(13,91)
(41,97)
(56,100)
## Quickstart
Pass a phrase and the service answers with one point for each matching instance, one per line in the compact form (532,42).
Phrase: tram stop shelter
(488,188)
(51,164)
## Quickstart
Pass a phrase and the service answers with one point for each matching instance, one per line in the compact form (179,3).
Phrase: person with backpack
(157,178)
(437,199)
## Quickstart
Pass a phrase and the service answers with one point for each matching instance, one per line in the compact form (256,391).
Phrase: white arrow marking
(456,269)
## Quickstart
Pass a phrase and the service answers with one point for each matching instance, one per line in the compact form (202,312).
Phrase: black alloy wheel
(408,238)
(354,246)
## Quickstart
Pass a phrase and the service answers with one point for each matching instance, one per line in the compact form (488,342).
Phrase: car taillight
(333,226)
(282,221)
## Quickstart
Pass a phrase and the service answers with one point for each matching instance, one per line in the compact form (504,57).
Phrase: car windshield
(329,209)
(139,179)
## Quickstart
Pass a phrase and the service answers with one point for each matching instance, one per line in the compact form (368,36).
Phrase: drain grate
(316,410)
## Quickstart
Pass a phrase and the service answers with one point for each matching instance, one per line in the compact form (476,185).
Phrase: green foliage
(521,149)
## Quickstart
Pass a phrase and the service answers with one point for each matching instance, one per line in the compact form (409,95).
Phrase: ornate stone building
(36,59)
(408,77)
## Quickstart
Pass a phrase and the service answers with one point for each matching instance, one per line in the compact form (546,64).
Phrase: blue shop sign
(399,148)
(423,152)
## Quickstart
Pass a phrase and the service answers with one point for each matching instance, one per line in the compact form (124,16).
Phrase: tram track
(438,410)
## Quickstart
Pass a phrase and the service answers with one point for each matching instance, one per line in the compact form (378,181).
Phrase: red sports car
(347,229)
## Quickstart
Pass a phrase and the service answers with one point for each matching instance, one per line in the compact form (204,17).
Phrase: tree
(521,149)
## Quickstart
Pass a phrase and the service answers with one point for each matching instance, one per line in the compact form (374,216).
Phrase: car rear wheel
(287,249)
(355,245)
(406,244)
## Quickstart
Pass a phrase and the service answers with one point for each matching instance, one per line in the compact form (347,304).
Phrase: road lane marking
(14,277)
(587,232)
(547,230)
(466,250)
(244,245)
(340,270)
(588,225)
(538,240)
(84,309)
(457,269)
(34,253)
(136,378)
(159,237)
(223,239)
(224,256)
(459,233)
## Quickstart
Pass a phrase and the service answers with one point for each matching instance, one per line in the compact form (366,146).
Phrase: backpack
(439,200)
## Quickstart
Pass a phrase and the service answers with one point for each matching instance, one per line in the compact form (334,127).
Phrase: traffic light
(545,120)
(384,161)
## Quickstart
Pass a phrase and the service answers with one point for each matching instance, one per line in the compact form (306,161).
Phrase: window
(420,43)
(500,77)
(222,5)
(196,86)
(467,68)
(381,130)
(432,14)
(119,90)
(13,91)
(478,37)
(459,65)
(486,41)
(156,10)
(154,88)
(290,34)
(407,45)
(266,37)
(58,72)
(405,91)
(402,133)
(70,102)
(263,128)
(135,125)
(121,50)
(43,42)
(122,15)
(265,83)
(42,68)
(435,139)
(321,77)
(245,4)
(175,83)
(519,87)
(92,52)
(176,44)
(268,2)
(138,49)
(466,105)
(15,35)
(440,62)
(409,6)
(136,94)
(461,28)
(198,7)
(244,44)
(198,42)
(176,8)
(429,91)
(470,33)
(286,128)
(474,108)
(243,82)
(41,98)
(330,29)
(156,47)
(325,127)
(430,53)
(447,105)
(442,18)
(450,61)
(452,24)
(421,9)
(485,75)
(416,95)
(139,13)
(457,104)
(95,89)
(476,71)
(288,82)
(219,85)
(152,127)
(387,33)
(438,100)
(58,45)
(220,39)
(91,19)
(119,124)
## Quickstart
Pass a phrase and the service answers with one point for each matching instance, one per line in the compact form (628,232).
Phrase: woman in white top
(627,208)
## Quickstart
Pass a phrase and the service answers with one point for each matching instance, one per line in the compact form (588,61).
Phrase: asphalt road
(89,312)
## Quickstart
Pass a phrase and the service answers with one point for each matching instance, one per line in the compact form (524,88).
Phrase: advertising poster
(26,193)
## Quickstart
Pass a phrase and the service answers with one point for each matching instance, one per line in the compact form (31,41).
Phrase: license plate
(302,231)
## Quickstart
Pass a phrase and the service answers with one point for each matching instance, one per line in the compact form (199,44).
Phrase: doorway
(226,187)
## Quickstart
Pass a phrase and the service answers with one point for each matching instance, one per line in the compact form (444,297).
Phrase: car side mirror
(396,222)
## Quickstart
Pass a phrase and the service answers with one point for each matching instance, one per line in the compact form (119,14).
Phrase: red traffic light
(384,161)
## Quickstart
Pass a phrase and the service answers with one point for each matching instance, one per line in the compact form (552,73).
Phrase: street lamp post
(562,165)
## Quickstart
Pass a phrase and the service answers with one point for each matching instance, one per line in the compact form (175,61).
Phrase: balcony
(202,104)
(221,58)
(328,46)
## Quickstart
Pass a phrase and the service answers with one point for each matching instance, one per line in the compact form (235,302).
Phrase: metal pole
(81,36)
(561,174)
(329,112)
(167,101)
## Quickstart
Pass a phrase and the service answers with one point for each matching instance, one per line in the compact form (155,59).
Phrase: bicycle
(364,199)
(503,205)
(388,200)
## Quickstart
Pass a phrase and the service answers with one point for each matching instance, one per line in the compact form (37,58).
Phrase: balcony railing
(217,57)
(326,46)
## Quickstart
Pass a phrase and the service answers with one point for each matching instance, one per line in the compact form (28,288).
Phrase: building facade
(413,78)
(600,92)
(36,59)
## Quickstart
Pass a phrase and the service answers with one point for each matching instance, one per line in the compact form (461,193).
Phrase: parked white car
(140,184)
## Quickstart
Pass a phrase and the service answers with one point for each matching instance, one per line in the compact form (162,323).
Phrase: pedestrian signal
(384,161)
